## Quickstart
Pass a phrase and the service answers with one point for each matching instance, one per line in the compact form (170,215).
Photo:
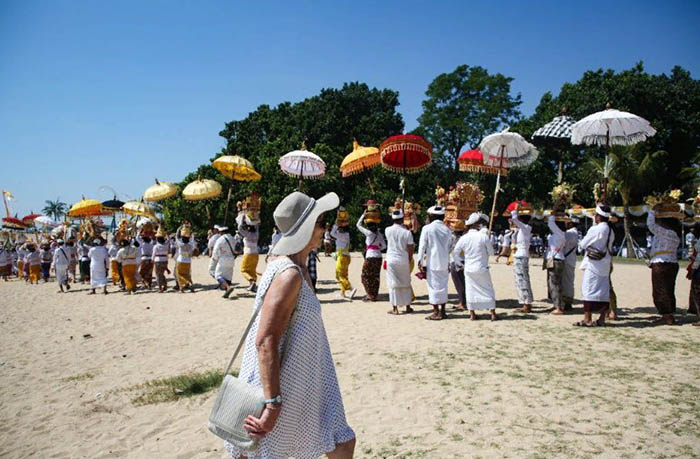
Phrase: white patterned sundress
(312,421)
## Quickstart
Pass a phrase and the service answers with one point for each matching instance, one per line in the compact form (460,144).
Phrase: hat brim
(295,243)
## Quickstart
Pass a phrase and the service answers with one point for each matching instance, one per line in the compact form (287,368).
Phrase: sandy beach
(529,385)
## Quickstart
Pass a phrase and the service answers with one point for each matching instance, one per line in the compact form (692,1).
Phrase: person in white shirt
(399,252)
(99,266)
(222,260)
(505,248)
(114,265)
(212,239)
(46,258)
(595,285)
(61,258)
(372,267)
(341,235)
(664,264)
(5,261)
(183,266)
(457,274)
(471,254)
(32,262)
(84,261)
(72,251)
(521,260)
(160,259)
(693,273)
(327,240)
(146,262)
(554,260)
(434,260)
(249,263)
(129,257)
(569,274)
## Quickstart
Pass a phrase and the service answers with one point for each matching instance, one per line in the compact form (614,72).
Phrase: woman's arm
(278,306)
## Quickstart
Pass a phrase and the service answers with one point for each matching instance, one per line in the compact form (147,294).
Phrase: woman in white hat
(287,352)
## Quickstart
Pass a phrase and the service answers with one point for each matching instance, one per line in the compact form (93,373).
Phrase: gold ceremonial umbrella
(138,208)
(359,159)
(86,208)
(236,168)
(200,190)
(159,191)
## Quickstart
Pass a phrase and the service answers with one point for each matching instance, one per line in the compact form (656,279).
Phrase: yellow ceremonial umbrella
(200,190)
(138,208)
(159,191)
(86,208)
(359,159)
(236,168)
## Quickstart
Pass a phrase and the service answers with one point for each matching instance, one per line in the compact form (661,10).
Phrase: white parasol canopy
(611,127)
(43,220)
(509,146)
(302,164)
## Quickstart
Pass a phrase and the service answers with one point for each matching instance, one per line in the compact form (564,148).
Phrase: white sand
(527,386)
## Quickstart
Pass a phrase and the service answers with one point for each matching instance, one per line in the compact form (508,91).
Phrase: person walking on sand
(114,265)
(249,229)
(341,234)
(33,261)
(521,259)
(327,240)
(146,262)
(61,259)
(222,260)
(5,262)
(505,247)
(457,274)
(555,260)
(569,274)
(372,267)
(664,264)
(129,257)
(472,254)
(434,259)
(160,259)
(287,354)
(211,241)
(99,263)
(399,252)
(183,266)
(595,285)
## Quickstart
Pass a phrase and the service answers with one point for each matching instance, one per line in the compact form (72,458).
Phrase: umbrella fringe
(483,169)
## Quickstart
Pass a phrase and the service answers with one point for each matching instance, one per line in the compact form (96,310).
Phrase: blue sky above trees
(114,94)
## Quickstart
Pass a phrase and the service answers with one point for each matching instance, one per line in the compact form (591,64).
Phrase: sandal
(583,324)
(433,317)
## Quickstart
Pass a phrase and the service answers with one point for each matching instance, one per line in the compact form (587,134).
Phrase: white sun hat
(296,217)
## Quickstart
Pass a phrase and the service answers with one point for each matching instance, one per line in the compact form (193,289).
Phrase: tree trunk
(628,236)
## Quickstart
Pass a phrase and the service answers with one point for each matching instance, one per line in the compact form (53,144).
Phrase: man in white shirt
(555,260)
(212,240)
(146,263)
(472,255)
(61,258)
(505,249)
(160,259)
(569,274)
(222,260)
(521,260)
(434,260)
(595,286)
(399,252)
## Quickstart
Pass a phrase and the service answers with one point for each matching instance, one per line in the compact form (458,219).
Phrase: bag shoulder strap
(257,310)
(229,246)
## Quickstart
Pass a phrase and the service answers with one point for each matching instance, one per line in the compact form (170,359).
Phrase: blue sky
(117,93)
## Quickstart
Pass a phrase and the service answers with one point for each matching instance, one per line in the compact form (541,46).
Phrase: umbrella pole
(301,176)
(495,192)
(604,191)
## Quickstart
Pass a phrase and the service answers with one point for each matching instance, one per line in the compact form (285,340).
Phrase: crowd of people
(459,252)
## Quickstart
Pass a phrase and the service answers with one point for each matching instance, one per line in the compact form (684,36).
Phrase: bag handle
(252,319)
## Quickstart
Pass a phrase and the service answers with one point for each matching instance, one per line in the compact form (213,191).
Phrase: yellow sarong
(115,272)
(34,272)
(20,269)
(342,263)
(249,265)
(183,275)
(129,273)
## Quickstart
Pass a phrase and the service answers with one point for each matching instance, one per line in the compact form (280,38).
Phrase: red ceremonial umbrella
(523,207)
(14,223)
(405,153)
(473,161)
(30,218)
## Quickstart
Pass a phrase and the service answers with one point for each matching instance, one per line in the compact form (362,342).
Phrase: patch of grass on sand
(175,387)
(81,377)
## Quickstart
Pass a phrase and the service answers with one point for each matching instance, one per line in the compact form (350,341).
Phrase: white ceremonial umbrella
(303,164)
(610,127)
(506,149)
(46,221)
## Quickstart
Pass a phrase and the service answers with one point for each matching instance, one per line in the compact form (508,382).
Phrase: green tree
(55,209)
(464,106)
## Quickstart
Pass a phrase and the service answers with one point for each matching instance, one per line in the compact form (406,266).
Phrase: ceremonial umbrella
(360,159)
(112,205)
(43,220)
(302,164)
(506,146)
(86,208)
(607,128)
(523,207)
(159,191)
(199,190)
(138,208)
(405,154)
(236,168)
(556,133)
(30,218)
(13,223)
(473,161)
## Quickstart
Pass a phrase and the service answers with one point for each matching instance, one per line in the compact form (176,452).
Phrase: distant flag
(8,195)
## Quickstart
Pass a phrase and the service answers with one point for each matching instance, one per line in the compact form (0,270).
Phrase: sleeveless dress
(312,420)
